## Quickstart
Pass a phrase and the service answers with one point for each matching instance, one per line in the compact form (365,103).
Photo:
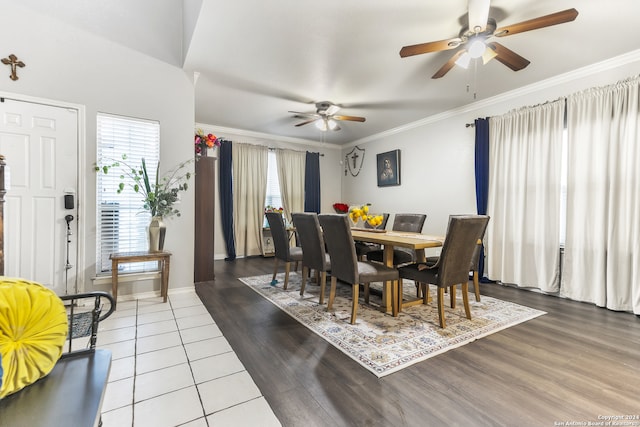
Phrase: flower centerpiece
(270,208)
(341,208)
(204,142)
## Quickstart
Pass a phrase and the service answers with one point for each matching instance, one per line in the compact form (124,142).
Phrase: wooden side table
(163,257)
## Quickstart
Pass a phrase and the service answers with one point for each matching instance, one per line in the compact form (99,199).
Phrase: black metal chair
(283,251)
(401,222)
(346,267)
(314,256)
(452,267)
(363,248)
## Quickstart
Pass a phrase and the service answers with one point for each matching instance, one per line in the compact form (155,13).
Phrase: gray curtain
(250,163)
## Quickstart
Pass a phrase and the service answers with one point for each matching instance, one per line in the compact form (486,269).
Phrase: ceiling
(257,60)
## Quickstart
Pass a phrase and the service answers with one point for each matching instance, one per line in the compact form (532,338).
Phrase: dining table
(389,240)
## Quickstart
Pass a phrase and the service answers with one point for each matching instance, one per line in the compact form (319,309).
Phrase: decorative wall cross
(13,61)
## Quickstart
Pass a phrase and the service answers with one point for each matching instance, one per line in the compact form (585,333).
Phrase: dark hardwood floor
(576,364)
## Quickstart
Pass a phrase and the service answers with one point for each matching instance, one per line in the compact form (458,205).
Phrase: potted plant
(159,196)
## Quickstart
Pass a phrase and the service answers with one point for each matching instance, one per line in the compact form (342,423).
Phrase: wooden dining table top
(403,239)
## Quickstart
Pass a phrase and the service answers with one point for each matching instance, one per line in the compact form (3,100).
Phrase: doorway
(40,144)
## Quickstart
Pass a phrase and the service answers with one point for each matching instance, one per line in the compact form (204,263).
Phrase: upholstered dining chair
(452,267)
(363,248)
(284,252)
(473,268)
(346,267)
(401,222)
(314,256)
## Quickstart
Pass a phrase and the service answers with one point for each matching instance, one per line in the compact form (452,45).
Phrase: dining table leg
(387,292)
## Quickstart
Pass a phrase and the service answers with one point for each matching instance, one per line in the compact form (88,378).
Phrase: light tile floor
(171,366)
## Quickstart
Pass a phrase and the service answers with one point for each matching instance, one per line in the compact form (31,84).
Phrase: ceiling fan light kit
(472,39)
(325,117)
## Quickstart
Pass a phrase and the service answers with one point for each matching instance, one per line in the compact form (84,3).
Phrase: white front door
(40,144)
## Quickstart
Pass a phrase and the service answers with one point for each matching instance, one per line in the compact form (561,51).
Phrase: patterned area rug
(379,342)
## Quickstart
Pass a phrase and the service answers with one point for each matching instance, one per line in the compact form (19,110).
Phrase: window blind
(122,221)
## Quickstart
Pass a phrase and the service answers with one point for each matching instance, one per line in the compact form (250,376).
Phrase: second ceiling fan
(472,39)
(325,117)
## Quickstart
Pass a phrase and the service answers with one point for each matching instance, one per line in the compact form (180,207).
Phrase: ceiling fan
(472,39)
(325,117)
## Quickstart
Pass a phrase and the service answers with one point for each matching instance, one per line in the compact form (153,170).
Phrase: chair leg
(465,300)
(354,303)
(441,307)
(322,282)
(305,271)
(275,271)
(287,268)
(366,293)
(453,296)
(476,285)
(332,292)
(425,293)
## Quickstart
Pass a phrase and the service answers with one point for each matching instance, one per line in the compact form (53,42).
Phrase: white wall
(330,168)
(437,154)
(73,66)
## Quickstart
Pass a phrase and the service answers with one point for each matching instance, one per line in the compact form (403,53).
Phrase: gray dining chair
(363,248)
(283,251)
(473,268)
(401,222)
(452,267)
(346,267)
(314,256)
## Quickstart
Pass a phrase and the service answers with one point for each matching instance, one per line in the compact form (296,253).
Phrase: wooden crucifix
(13,61)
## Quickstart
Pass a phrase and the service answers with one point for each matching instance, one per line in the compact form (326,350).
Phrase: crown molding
(589,70)
(220,130)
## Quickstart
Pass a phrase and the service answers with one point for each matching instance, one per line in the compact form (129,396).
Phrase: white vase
(157,231)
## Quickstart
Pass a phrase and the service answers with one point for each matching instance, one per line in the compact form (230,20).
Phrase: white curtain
(250,164)
(291,166)
(602,249)
(525,163)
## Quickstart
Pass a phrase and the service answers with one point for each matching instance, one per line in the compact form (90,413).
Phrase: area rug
(379,342)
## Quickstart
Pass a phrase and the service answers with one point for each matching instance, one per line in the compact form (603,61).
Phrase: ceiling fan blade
(306,122)
(301,115)
(349,118)
(478,14)
(541,22)
(508,57)
(448,65)
(429,47)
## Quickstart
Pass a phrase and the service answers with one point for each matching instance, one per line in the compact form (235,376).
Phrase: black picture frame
(388,168)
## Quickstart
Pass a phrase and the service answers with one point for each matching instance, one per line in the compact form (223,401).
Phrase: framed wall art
(388,168)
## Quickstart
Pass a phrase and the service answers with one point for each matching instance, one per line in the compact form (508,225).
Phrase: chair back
(383,225)
(311,240)
(409,222)
(279,235)
(459,245)
(342,251)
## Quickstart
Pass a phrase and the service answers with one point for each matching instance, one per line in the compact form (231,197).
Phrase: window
(121,221)
(273,185)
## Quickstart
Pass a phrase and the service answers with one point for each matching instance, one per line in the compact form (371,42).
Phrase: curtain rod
(470,125)
(273,149)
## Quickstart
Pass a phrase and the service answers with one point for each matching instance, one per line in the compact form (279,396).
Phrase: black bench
(72,393)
